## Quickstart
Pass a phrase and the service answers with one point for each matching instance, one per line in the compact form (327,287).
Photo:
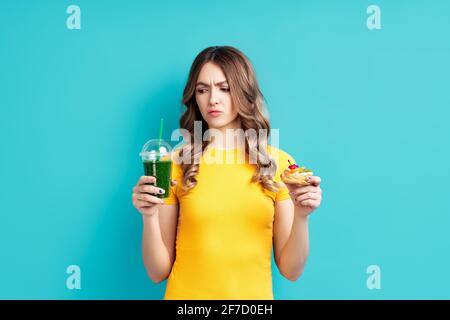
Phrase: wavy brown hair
(247,99)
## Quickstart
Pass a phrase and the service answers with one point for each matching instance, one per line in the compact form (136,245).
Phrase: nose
(213,98)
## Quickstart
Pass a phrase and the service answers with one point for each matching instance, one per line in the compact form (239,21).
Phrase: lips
(214,113)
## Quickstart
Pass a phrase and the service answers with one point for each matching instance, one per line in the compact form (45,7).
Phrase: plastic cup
(157,160)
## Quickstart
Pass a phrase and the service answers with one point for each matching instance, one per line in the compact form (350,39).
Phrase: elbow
(291,272)
(293,276)
(157,278)
(157,272)
(293,268)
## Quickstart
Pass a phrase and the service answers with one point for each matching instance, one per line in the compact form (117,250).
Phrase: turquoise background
(368,110)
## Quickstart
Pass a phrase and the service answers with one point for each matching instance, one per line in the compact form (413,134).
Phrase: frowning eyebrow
(200,83)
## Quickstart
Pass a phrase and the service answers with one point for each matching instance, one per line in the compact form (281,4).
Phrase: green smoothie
(161,169)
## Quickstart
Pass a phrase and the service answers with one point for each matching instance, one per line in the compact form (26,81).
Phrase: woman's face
(212,93)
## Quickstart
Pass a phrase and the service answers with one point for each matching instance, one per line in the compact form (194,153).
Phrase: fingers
(148,189)
(315,180)
(146,179)
(310,203)
(152,200)
(142,204)
(308,196)
(141,196)
(305,189)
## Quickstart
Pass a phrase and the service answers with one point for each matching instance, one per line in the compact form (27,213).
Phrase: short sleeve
(282,194)
(176,174)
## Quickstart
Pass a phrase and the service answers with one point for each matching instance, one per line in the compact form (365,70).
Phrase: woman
(213,236)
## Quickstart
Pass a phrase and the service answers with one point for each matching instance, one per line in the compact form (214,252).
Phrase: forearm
(156,257)
(295,252)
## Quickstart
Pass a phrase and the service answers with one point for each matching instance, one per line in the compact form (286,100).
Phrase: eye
(225,89)
(201,91)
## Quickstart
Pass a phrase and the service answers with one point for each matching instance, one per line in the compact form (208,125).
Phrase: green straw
(161,124)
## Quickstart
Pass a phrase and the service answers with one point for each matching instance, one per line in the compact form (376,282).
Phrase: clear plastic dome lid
(156,149)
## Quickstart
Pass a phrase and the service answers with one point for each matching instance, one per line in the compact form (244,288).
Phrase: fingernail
(162,191)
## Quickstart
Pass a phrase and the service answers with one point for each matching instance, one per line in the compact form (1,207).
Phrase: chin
(217,124)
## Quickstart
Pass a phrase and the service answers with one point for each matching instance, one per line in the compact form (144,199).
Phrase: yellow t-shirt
(225,229)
